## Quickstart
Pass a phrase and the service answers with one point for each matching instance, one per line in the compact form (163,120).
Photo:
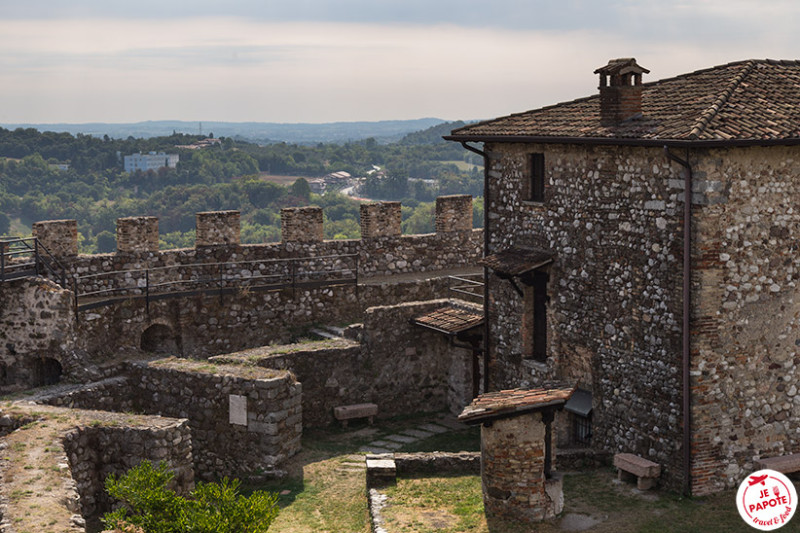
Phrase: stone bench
(645,471)
(785,464)
(344,413)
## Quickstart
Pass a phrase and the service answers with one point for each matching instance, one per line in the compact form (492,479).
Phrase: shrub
(212,507)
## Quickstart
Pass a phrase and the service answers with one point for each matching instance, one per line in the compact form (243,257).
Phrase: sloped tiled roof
(747,101)
(516,261)
(450,320)
(512,402)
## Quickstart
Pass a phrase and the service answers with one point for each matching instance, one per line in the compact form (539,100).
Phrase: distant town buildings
(202,143)
(150,161)
(334,179)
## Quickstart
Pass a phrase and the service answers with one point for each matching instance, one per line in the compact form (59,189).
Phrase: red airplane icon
(758,479)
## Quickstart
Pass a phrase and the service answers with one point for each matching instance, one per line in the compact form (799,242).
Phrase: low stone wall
(267,404)
(409,464)
(242,419)
(96,451)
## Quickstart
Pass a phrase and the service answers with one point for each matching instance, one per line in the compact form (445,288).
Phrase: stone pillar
(380,219)
(137,234)
(453,213)
(217,228)
(512,470)
(301,224)
(59,237)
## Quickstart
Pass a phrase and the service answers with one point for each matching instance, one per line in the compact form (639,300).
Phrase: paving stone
(418,433)
(401,438)
(452,423)
(374,449)
(386,444)
(434,428)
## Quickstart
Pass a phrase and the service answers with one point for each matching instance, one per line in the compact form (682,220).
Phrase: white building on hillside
(151,161)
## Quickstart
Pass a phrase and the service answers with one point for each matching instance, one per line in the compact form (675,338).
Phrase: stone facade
(137,234)
(453,213)
(59,237)
(612,218)
(217,228)
(381,219)
(301,224)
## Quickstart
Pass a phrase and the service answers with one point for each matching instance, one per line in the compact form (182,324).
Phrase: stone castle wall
(96,451)
(614,309)
(137,234)
(402,368)
(746,311)
(36,324)
(267,432)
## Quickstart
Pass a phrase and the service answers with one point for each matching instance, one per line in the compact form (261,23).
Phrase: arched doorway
(159,338)
(45,371)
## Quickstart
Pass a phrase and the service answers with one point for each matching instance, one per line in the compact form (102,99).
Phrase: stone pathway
(392,443)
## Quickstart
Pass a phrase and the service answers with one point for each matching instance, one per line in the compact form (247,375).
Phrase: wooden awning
(450,320)
(516,261)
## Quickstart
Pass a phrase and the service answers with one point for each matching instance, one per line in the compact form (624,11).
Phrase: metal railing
(105,288)
(467,285)
(28,257)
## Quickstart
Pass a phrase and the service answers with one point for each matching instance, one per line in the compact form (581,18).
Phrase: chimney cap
(621,66)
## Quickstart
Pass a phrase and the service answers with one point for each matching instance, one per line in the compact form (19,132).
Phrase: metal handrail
(41,259)
(466,286)
(221,280)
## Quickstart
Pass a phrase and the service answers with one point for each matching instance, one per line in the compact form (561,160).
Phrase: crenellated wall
(137,234)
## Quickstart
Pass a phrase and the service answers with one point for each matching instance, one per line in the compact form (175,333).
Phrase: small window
(581,429)
(536,177)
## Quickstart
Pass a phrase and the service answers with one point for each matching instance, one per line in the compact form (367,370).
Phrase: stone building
(679,320)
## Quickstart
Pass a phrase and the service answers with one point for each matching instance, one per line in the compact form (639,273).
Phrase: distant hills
(384,131)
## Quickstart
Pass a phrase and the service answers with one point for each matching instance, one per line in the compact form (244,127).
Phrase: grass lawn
(324,491)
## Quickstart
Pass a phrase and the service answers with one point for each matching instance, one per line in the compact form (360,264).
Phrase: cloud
(230,68)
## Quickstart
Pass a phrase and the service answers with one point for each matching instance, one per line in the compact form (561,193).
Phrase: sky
(352,60)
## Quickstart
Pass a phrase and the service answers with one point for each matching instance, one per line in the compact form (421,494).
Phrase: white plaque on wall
(238,409)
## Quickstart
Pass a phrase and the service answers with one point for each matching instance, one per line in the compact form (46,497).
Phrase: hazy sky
(345,60)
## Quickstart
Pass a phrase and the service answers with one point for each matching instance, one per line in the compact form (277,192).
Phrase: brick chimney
(620,90)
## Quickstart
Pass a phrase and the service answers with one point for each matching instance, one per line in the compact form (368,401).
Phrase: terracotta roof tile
(506,403)
(451,319)
(515,261)
(751,100)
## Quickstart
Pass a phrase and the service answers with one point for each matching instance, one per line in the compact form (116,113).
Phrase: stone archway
(160,338)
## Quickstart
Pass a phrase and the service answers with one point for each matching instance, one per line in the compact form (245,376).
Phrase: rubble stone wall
(137,234)
(36,324)
(59,237)
(612,219)
(401,367)
(96,451)
(746,312)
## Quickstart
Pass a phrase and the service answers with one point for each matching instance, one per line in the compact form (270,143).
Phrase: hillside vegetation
(96,191)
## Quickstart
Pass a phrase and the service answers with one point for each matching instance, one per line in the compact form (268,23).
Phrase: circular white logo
(766,500)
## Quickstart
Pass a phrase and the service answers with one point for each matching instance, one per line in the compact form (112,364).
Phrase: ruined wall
(401,367)
(96,451)
(36,329)
(270,405)
(614,311)
(746,311)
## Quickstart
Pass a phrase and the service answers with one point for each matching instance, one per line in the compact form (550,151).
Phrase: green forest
(50,176)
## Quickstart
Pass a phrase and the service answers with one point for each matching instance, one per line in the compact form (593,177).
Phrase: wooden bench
(343,413)
(646,471)
(785,464)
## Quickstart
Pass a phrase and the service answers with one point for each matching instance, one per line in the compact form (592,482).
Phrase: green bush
(211,507)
